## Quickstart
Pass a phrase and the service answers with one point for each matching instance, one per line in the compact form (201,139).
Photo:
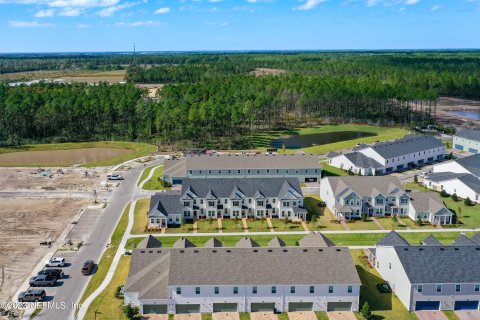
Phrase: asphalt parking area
(431,315)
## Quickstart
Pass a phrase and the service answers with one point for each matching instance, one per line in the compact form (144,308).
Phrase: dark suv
(57,273)
(43,281)
(32,296)
(87,267)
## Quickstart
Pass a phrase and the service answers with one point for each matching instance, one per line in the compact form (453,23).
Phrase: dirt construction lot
(58,179)
(24,224)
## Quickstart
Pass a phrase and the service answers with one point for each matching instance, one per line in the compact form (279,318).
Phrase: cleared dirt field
(152,88)
(446,105)
(24,224)
(21,179)
(268,72)
(115,76)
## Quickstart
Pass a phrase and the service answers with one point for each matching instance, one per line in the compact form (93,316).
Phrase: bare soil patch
(446,104)
(53,179)
(268,72)
(26,223)
(152,88)
(114,76)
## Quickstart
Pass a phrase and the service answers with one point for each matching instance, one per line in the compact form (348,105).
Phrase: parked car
(57,273)
(32,295)
(43,281)
(87,267)
(114,177)
(55,262)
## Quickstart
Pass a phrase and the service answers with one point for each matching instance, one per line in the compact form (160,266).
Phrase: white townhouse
(467,140)
(253,279)
(390,156)
(350,196)
(429,207)
(228,198)
(459,176)
(432,277)
(304,167)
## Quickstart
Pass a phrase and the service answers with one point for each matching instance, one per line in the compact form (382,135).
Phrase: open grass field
(232,225)
(285,225)
(134,150)
(155,182)
(207,226)
(104,264)
(382,133)
(468,216)
(113,76)
(319,218)
(106,304)
(383,305)
(328,170)
(140,216)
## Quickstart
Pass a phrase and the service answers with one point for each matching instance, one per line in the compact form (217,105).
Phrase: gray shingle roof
(246,242)
(246,187)
(314,239)
(406,145)
(426,202)
(213,243)
(237,266)
(462,240)
(476,238)
(163,204)
(367,186)
(362,161)
(471,134)
(471,163)
(333,154)
(393,239)
(443,176)
(441,264)
(431,241)
(276,243)
(149,242)
(471,181)
(183,243)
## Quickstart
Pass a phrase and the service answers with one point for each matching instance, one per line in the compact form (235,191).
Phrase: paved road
(70,290)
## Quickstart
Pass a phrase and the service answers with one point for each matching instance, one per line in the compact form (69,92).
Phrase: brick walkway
(245,225)
(304,225)
(270,225)
(194,227)
(219,225)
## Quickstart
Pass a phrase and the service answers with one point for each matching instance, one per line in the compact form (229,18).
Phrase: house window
(477,287)
(179,290)
(292,289)
(330,289)
(186,204)
(235,290)
(404,201)
(419,288)
(457,288)
(379,201)
(259,203)
(274,289)
(312,289)
(211,203)
(201,201)
(235,203)
(349,289)
(216,290)
(439,288)
(197,290)
(254,290)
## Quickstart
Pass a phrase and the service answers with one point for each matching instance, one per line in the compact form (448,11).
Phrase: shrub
(454,197)
(468,202)
(418,222)
(363,216)
(118,292)
(444,194)
(415,178)
(130,311)
(366,312)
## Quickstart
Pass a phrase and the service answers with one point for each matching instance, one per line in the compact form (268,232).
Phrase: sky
(211,25)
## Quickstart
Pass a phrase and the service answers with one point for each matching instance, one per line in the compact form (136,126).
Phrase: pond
(310,140)
(62,157)
(469,114)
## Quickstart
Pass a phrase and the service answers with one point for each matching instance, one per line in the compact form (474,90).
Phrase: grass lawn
(383,305)
(262,140)
(141,216)
(362,225)
(450,315)
(319,217)
(104,264)
(321,315)
(155,182)
(232,225)
(468,216)
(145,174)
(283,316)
(257,225)
(389,223)
(106,304)
(137,150)
(207,226)
(328,170)
(206,316)
(184,228)
(244,316)
(285,225)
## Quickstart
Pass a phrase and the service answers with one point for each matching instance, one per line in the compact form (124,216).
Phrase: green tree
(468,201)
(365,311)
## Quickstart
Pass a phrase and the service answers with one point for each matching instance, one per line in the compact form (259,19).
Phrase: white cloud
(410,2)
(45,13)
(148,23)
(109,11)
(83,26)
(309,4)
(28,24)
(162,10)
(436,8)
(70,12)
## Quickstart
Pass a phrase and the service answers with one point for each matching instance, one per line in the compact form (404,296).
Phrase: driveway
(305,315)
(431,315)
(341,315)
(263,316)
(154,317)
(225,316)
(188,316)
(468,315)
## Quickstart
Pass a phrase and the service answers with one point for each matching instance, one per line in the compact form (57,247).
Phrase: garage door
(339,306)
(155,308)
(300,306)
(427,305)
(262,307)
(458,147)
(225,307)
(187,308)
(466,305)
(472,150)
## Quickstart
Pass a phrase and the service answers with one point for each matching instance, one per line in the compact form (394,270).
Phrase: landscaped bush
(454,197)
(444,194)
(119,292)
